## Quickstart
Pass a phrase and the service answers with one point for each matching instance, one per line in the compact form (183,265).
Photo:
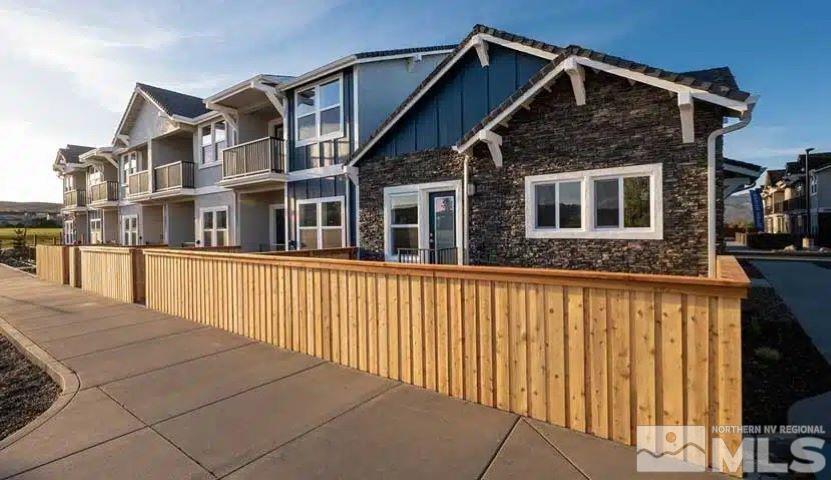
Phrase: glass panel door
(443,226)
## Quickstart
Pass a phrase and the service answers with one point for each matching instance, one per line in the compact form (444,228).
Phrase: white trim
(355,114)
(272,238)
(316,172)
(210,189)
(125,240)
(686,108)
(317,112)
(459,54)
(697,94)
(422,190)
(588,230)
(319,212)
(200,161)
(578,79)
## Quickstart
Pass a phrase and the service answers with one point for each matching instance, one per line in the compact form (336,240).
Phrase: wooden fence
(344,253)
(592,351)
(74,262)
(52,263)
(114,272)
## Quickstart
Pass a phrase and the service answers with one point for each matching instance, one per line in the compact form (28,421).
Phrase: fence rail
(595,352)
(345,253)
(74,198)
(103,192)
(258,156)
(173,175)
(138,183)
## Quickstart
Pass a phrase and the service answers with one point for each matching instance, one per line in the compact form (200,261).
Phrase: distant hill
(737,209)
(33,207)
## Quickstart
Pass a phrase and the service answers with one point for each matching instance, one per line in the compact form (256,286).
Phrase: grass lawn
(43,234)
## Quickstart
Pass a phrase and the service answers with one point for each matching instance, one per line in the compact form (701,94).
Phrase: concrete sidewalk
(162,397)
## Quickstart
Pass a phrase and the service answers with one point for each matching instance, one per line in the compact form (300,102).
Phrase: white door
(129,230)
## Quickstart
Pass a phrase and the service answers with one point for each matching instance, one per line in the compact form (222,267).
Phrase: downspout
(465,240)
(744,120)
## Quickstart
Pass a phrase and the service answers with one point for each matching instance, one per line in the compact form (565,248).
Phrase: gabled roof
(815,160)
(690,79)
(716,82)
(71,152)
(743,165)
(363,57)
(175,103)
(774,176)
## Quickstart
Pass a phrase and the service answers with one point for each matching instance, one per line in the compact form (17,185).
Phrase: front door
(278,228)
(443,227)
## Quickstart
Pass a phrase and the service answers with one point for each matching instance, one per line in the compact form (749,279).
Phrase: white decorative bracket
(352,173)
(411,61)
(481,50)
(578,79)
(494,143)
(685,106)
(125,139)
(230,115)
(271,94)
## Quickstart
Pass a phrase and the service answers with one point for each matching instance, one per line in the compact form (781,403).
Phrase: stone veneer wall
(621,124)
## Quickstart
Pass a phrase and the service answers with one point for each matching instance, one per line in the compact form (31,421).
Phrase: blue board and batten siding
(458,101)
(329,152)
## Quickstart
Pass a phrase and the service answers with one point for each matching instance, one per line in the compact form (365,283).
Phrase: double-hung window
(320,223)
(215,227)
(95,176)
(129,166)
(69,183)
(613,203)
(213,138)
(318,112)
(95,231)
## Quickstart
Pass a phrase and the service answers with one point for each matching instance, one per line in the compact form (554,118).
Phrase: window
(95,176)
(320,223)
(624,203)
(422,222)
(129,230)
(214,226)
(69,231)
(69,183)
(813,183)
(403,221)
(129,165)
(95,232)
(213,138)
(318,113)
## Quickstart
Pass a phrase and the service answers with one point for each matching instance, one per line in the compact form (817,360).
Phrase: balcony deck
(74,200)
(254,163)
(103,194)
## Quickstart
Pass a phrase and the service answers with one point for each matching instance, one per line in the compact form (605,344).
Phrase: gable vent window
(611,203)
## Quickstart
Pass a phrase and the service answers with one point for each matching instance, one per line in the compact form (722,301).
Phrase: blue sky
(68,68)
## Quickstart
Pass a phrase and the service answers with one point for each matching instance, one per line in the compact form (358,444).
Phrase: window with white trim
(318,112)
(68,183)
(95,230)
(69,231)
(213,138)
(129,165)
(214,226)
(614,203)
(129,230)
(403,219)
(813,182)
(321,223)
(95,176)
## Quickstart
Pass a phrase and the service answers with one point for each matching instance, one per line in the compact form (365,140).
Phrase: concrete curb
(63,376)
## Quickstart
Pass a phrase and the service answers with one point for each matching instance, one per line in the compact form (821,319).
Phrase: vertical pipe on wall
(465,240)
(711,183)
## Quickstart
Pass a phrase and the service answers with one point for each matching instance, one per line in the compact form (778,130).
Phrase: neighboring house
(73,176)
(516,152)
(820,192)
(739,176)
(783,194)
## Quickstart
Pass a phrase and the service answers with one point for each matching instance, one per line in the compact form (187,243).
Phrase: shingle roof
(775,175)
(816,160)
(739,163)
(404,51)
(718,81)
(175,103)
(72,152)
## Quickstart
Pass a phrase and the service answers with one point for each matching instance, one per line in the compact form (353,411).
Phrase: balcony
(173,176)
(256,162)
(793,204)
(103,194)
(74,199)
(138,184)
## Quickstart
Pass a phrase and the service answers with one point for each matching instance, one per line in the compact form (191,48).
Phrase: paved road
(805,288)
(162,397)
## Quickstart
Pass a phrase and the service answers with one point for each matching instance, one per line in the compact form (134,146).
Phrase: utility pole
(807,188)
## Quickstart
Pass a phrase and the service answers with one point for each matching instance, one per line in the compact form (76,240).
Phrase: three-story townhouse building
(73,177)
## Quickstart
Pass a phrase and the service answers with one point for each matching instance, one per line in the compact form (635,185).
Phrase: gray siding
(315,188)
(383,85)
(216,200)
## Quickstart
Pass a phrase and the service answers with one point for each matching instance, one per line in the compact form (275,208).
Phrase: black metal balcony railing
(138,183)
(103,192)
(443,256)
(258,156)
(74,198)
(173,175)
(792,204)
